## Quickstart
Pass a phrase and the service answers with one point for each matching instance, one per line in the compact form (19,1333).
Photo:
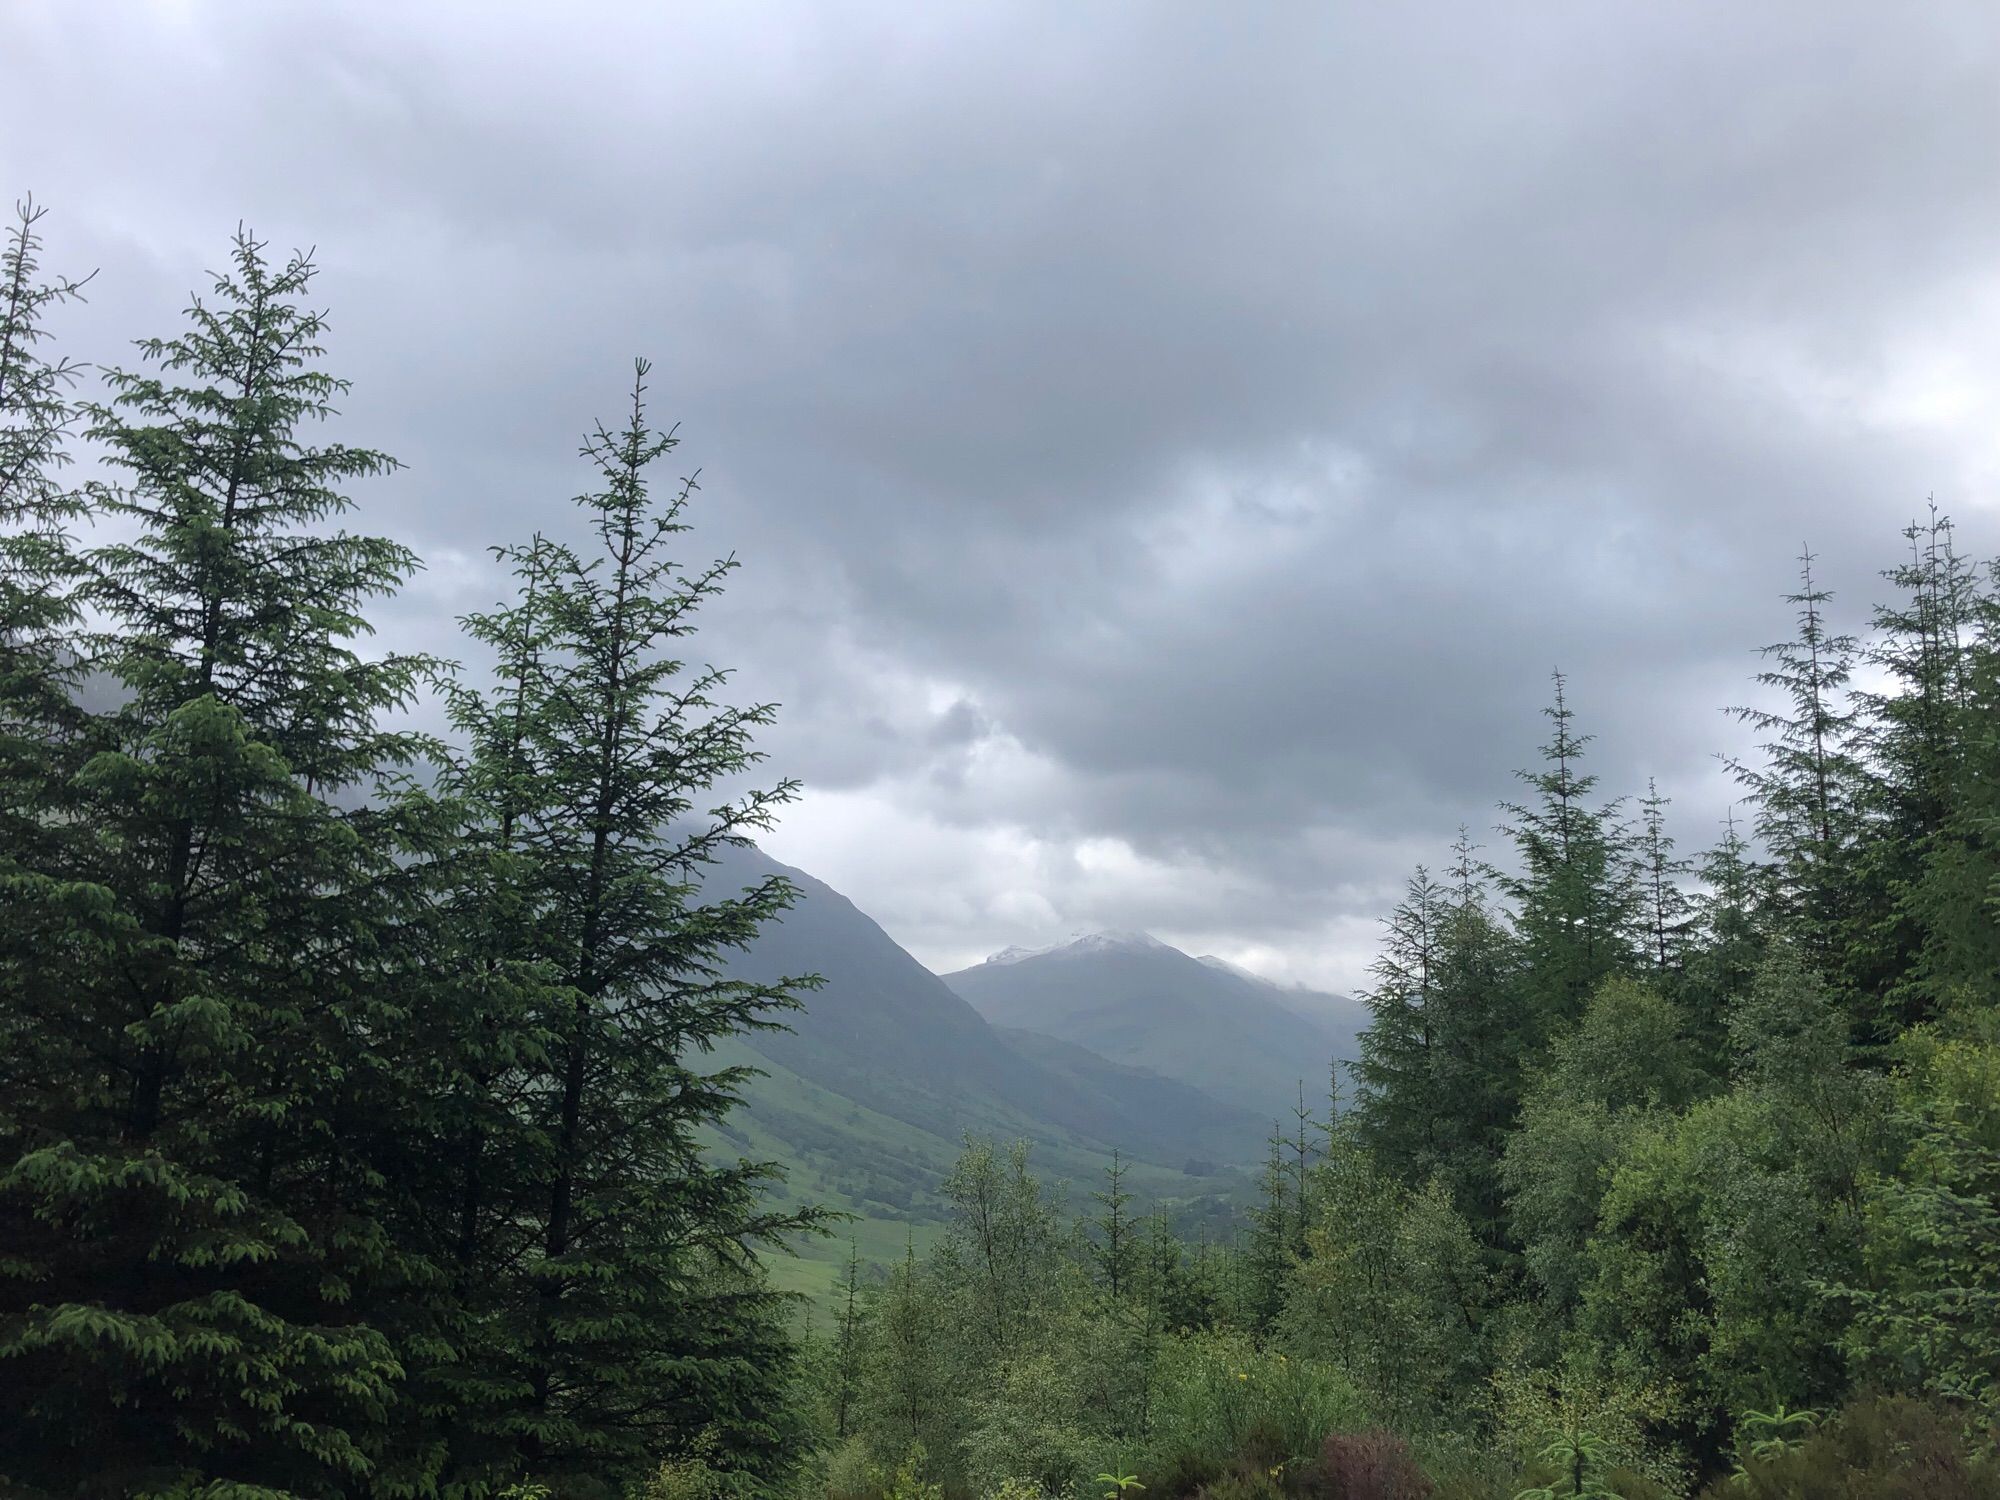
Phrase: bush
(1373,1465)
(1034,1427)
(1221,1405)
(1891,1448)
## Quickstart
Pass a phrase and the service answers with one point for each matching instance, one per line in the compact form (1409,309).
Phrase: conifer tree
(40,660)
(1951,900)
(1805,790)
(1573,891)
(1482,1033)
(1913,771)
(1299,1168)
(1116,1248)
(1268,1258)
(623,1259)
(1400,1111)
(850,1327)
(1669,916)
(1729,943)
(207,1284)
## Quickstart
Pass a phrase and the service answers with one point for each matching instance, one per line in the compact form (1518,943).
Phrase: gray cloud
(1169,446)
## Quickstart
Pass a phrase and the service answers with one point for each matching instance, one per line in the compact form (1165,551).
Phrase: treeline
(1659,1173)
(351,1084)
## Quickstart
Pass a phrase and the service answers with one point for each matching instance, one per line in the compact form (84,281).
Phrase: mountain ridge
(1134,1000)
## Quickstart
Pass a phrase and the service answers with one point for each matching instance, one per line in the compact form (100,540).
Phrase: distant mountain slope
(891,1036)
(868,1099)
(1342,1013)
(1134,1000)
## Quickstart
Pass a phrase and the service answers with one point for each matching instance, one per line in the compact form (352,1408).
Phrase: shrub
(1372,1465)
(1221,1404)
(1891,1448)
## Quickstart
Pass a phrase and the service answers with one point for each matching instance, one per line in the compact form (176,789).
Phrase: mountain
(1338,1011)
(868,1098)
(1131,998)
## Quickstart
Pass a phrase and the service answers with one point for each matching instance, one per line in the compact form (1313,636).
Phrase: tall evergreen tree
(1115,1249)
(623,1252)
(1668,913)
(1913,772)
(1952,900)
(1573,891)
(1805,790)
(849,1330)
(1268,1257)
(1483,1033)
(1729,943)
(1400,1111)
(204,1282)
(40,659)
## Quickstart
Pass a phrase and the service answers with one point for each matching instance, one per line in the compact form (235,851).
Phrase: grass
(844,1154)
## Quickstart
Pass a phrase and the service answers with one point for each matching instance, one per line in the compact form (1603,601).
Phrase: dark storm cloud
(1194,428)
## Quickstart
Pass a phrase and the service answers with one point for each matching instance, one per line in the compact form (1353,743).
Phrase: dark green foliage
(1927,1311)
(618,1254)
(39,568)
(1668,918)
(1115,1247)
(1806,791)
(350,1136)
(203,1279)
(1575,893)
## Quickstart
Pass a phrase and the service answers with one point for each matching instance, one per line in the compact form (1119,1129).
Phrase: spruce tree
(1399,1111)
(1729,946)
(1668,913)
(1115,1250)
(1805,790)
(1483,1036)
(1268,1259)
(206,1287)
(850,1328)
(40,659)
(1913,773)
(1951,900)
(621,1252)
(1573,891)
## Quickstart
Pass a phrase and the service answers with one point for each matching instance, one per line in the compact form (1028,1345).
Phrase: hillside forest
(373,1030)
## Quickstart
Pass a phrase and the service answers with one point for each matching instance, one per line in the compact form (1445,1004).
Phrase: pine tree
(624,1262)
(40,660)
(1115,1250)
(1484,1033)
(1400,1112)
(1268,1260)
(1913,773)
(1573,891)
(1951,900)
(1805,790)
(1304,1126)
(850,1329)
(206,1284)
(1729,945)
(1669,916)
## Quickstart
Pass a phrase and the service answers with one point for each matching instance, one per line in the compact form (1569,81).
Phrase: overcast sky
(1168,446)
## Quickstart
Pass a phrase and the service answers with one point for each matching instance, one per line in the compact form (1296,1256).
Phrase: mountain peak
(1077,944)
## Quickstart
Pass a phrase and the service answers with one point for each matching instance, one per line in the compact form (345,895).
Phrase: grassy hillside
(885,1171)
